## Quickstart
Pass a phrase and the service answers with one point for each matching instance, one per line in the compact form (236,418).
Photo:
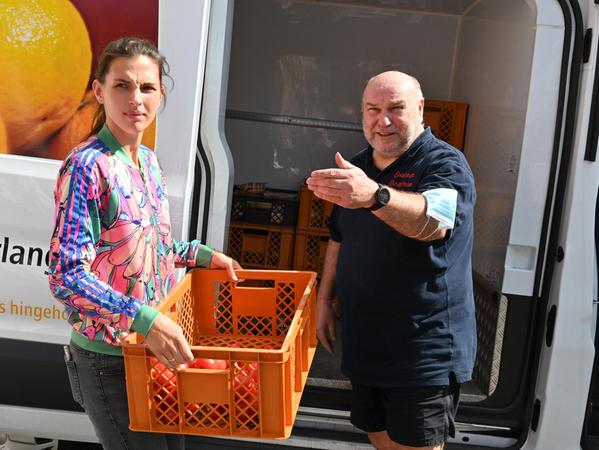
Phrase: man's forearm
(406,213)
(349,187)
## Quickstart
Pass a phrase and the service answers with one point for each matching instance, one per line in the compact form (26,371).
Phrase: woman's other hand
(166,340)
(222,261)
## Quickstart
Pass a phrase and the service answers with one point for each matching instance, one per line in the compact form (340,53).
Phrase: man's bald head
(404,82)
(392,113)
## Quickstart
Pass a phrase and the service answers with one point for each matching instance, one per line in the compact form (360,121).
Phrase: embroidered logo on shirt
(400,179)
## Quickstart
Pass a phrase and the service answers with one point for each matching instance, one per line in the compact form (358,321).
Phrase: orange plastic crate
(447,120)
(267,336)
(314,213)
(261,246)
(310,249)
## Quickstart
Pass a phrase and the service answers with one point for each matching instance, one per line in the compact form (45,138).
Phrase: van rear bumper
(65,425)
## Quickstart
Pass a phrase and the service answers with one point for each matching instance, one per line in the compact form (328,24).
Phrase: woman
(112,253)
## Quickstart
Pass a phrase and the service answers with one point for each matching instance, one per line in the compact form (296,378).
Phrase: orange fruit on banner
(75,130)
(3,139)
(45,58)
(149,139)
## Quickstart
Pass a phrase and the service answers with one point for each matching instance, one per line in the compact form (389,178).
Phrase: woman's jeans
(98,385)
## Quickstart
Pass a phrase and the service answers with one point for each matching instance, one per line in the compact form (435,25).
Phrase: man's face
(391,115)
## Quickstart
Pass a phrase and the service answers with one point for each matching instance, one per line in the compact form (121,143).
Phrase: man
(399,261)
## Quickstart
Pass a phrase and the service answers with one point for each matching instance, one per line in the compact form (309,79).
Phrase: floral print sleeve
(96,310)
(191,254)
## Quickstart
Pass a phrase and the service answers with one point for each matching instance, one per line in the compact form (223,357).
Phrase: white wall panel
(492,75)
(312,60)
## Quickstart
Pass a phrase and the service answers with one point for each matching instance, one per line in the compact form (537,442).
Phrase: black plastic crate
(273,207)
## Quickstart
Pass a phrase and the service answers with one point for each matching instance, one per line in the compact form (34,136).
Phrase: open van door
(292,81)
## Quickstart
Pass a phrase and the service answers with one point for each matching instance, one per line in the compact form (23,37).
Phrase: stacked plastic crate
(312,232)
(447,121)
(262,229)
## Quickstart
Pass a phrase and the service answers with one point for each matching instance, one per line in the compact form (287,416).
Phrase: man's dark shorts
(412,416)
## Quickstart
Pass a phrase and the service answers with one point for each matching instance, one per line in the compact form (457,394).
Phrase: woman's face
(131,94)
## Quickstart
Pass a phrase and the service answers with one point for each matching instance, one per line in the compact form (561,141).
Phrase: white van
(268,90)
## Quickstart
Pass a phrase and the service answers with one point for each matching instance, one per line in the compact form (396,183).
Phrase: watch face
(383,195)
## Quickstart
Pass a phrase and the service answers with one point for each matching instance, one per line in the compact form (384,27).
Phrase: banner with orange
(48,52)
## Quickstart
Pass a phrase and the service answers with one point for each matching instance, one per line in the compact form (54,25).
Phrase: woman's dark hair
(128,47)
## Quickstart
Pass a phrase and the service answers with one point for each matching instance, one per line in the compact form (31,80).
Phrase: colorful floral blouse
(112,256)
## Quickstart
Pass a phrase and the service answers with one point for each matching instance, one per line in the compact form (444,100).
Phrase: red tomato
(246,420)
(191,409)
(246,381)
(207,415)
(216,415)
(164,382)
(161,374)
(164,386)
(170,414)
(167,413)
(248,373)
(245,385)
(163,391)
(207,363)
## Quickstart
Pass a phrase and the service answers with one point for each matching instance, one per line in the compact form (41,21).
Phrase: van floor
(326,372)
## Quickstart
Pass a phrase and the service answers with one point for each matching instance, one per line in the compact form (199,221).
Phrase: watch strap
(377,203)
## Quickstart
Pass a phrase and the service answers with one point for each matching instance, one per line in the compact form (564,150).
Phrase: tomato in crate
(164,386)
(209,363)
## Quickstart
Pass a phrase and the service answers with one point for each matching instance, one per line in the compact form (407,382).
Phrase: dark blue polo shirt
(407,306)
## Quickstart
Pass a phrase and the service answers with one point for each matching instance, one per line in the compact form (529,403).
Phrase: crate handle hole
(255,231)
(255,283)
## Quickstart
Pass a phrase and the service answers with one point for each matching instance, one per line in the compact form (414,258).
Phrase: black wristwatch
(381,197)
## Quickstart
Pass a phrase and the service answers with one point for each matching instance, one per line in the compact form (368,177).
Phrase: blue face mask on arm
(441,205)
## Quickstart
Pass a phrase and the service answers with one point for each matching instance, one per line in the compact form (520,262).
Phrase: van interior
(296,73)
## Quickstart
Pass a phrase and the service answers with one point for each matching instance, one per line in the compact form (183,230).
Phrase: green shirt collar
(106,136)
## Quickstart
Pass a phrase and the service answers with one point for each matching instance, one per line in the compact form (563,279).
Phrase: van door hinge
(559,254)
(588,42)
(550,326)
(536,414)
